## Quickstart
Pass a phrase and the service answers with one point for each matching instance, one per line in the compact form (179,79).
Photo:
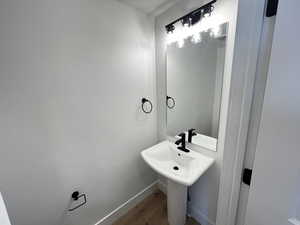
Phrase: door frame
(245,56)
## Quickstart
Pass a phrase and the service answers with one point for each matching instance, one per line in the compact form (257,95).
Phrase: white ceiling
(149,6)
(156,7)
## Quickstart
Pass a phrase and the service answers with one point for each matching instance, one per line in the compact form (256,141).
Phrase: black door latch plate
(247,175)
(272,6)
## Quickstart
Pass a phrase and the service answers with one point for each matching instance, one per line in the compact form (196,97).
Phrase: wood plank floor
(151,211)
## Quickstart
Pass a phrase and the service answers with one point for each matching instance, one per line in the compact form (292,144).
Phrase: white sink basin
(165,156)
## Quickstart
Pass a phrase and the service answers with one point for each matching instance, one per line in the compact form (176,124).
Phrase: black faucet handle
(191,132)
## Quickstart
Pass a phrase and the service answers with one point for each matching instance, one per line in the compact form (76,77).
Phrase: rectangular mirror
(194,86)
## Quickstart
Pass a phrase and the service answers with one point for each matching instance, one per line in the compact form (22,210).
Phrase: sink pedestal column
(177,203)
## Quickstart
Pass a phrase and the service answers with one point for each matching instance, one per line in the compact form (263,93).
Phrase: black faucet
(191,133)
(182,142)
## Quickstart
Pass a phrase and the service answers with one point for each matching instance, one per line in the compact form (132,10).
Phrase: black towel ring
(173,102)
(144,101)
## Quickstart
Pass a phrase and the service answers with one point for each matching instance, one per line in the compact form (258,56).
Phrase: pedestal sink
(182,170)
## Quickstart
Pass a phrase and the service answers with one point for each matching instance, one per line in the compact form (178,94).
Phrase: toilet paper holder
(75,197)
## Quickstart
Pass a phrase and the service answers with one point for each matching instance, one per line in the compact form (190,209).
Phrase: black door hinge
(271,8)
(247,174)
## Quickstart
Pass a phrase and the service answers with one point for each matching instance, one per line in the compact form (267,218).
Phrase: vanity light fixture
(193,24)
(193,17)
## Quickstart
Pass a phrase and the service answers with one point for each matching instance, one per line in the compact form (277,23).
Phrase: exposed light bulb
(186,22)
(207,11)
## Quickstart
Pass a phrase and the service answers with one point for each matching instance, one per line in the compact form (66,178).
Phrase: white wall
(204,193)
(72,73)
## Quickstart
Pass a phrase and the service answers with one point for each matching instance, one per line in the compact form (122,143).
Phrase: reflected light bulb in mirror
(196,38)
(215,31)
(180,43)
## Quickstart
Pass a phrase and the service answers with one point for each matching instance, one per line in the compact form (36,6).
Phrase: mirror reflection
(194,87)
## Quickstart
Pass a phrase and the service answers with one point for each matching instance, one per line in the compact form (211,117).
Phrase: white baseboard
(125,207)
(199,216)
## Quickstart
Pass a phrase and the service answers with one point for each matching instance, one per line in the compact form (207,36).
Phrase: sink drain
(175,168)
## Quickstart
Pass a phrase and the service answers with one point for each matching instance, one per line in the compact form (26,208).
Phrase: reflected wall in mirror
(194,86)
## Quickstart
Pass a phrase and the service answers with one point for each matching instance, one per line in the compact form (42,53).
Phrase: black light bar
(193,17)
